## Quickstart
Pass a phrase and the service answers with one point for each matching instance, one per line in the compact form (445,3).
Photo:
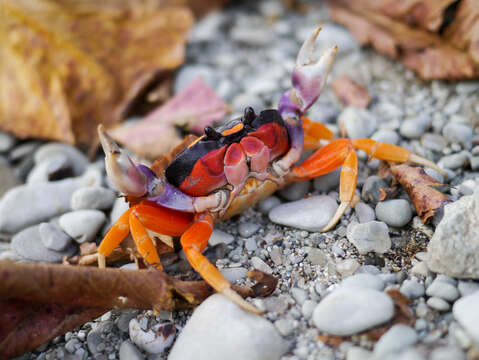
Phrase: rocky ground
(335,283)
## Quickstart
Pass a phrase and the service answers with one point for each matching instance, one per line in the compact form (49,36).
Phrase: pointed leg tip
(238,300)
(336,217)
(101,261)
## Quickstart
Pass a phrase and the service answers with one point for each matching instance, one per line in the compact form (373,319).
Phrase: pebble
(420,269)
(155,340)
(77,159)
(358,353)
(31,204)
(242,101)
(371,236)
(318,257)
(434,142)
(359,123)
(370,191)
(458,133)
(285,326)
(454,249)
(260,265)
(250,244)
(308,308)
(396,339)
(364,280)
(438,304)
(82,225)
(119,207)
(310,214)
(7,141)
(396,212)
(28,245)
(8,179)
(386,136)
(220,237)
(234,274)
(447,353)
(233,333)
(350,310)
(467,287)
(54,238)
(327,182)
(276,255)
(94,341)
(254,35)
(466,312)
(412,288)
(247,229)
(128,351)
(54,167)
(265,206)
(189,73)
(454,161)
(295,191)
(413,128)
(364,212)
(299,295)
(93,197)
(347,267)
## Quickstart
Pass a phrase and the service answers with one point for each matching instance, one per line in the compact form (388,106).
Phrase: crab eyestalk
(120,168)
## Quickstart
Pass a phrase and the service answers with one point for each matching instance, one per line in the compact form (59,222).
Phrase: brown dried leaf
(349,92)
(412,31)
(59,81)
(420,188)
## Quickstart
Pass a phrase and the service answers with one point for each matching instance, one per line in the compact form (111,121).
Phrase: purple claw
(120,168)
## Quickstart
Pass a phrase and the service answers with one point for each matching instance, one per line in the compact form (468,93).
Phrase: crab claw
(309,75)
(120,168)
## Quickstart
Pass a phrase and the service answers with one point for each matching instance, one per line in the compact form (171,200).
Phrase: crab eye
(249,115)
(212,134)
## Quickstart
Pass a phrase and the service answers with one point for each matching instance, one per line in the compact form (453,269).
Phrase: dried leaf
(349,92)
(420,188)
(193,108)
(59,81)
(437,39)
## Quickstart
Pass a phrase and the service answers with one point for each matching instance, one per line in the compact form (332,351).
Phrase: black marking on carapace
(183,164)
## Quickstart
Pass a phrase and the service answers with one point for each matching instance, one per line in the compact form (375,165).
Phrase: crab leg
(194,241)
(117,233)
(314,132)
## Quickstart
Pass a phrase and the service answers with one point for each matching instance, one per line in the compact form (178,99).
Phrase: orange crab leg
(314,132)
(146,247)
(117,233)
(194,241)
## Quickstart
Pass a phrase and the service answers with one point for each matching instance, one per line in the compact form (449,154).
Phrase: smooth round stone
(436,175)
(386,136)
(458,133)
(261,265)
(93,197)
(347,267)
(370,191)
(445,278)
(364,212)
(467,287)
(395,340)
(208,28)
(442,290)
(414,128)
(285,326)
(252,35)
(82,225)
(265,205)
(433,142)
(242,101)
(53,238)
(466,312)
(438,304)
(359,123)
(308,307)
(155,340)
(189,73)
(370,236)
(7,141)
(56,165)
(128,351)
(119,207)
(310,214)
(364,281)
(76,158)
(350,310)
(358,353)
(299,295)
(412,288)
(220,237)
(233,333)
(396,212)
(8,179)
(234,274)
(248,229)
(295,191)
(28,245)
(328,181)
(447,353)
(454,161)
(318,257)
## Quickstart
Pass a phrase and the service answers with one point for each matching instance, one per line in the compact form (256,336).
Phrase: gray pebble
(308,308)
(23,150)
(445,278)
(128,351)
(28,245)
(347,267)
(295,191)
(442,290)
(299,295)
(234,274)
(277,304)
(413,128)
(77,159)
(276,255)
(318,257)
(154,340)
(327,182)
(285,326)
(447,353)
(8,179)
(265,206)
(466,312)
(93,197)
(396,339)
(358,353)
(420,269)
(253,35)
(371,236)
(434,142)
(474,163)
(82,225)
(94,341)
(119,207)
(364,212)
(241,101)
(54,238)
(247,229)
(250,244)
(348,310)
(364,281)
(124,319)
(438,304)
(458,133)
(310,214)
(370,191)
(260,265)
(220,237)
(412,288)
(359,123)
(436,175)
(386,136)
(454,161)
(51,168)
(7,141)
(396,212)
(467,287)
(189,73)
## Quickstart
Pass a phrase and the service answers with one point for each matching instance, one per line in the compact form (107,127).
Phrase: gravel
(396,212)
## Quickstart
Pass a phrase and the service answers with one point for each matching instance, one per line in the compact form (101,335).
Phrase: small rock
(420,269)
(233,333)
(364,212)
(128,351)
(53,238)
(364,281)
(285,326)
(92,197)
(446,279)
(8,179)
(123,321)
(310,214)
(308,308)
(370,191)
(350,310)
(277,304)
(359,123)
(94,341)
(466,312)
(234,274)
(410,354)
(76,158)
(247,229)
(28,245)
(458,133)
(295,191)
(434,142)
(276,255)
(220,237)
(413,128)
(454,161)
(396,212)
(371,236)
(347,267)
(299,295)
(358,353)
(154,341)
(438,304)
(119,207)
(265,206)
(250,244)
(412,288)
(328,182)
(395,340)
(54,167)
(467,287)
(253,35)
(386,136)
(82,225)
(447,353)
(318,257)
(241,101)
(7,141)
(189,73)
(260,265)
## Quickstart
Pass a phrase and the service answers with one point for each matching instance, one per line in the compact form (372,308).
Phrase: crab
(230,168)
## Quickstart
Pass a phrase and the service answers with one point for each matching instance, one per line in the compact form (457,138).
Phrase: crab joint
(120,168)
